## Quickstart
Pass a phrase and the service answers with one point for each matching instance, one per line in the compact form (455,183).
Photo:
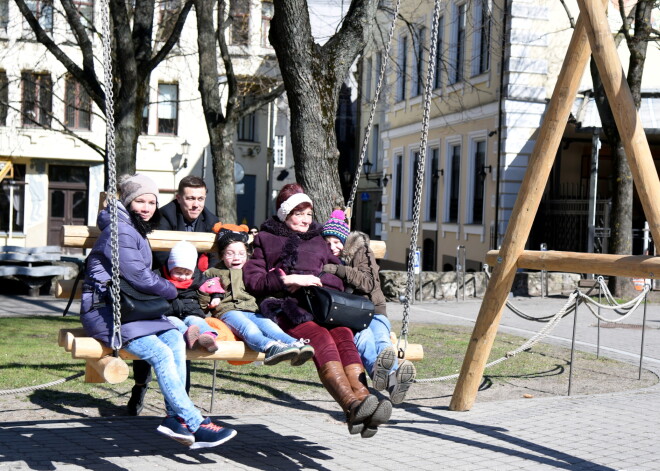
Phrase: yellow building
(495,70)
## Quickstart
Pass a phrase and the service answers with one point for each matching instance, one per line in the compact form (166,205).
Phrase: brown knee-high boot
(335,381)
(357,379)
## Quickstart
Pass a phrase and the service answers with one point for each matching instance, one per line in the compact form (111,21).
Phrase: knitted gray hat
(132,186)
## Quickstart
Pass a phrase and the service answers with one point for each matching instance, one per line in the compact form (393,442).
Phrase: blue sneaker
(209,434)
(176,429)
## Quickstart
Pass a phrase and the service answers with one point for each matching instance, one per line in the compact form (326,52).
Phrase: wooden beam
(522,217)
(633,266)
(108,369)
(625,114)
(85,236)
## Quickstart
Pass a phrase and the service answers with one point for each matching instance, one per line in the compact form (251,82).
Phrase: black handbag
(338,308)
(138,306)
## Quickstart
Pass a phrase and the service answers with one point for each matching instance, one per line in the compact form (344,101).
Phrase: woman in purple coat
(289,253)
(156,340)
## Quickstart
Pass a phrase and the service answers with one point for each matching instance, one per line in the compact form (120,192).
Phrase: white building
(51,178)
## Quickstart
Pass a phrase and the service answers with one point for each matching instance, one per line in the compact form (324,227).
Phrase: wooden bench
(34,266)
(101,366)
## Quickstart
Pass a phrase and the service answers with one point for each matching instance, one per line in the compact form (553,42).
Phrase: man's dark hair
(191,181)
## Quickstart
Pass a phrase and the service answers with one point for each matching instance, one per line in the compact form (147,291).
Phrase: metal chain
(111,192)
(367,131)
(419,182)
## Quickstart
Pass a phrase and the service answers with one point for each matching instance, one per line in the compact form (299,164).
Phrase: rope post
(641,353)
(570,371)
(600,300)
(215,370)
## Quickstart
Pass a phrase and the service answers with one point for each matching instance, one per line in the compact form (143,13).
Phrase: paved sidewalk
(599,432)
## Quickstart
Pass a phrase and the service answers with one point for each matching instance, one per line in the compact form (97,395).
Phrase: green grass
(29,355)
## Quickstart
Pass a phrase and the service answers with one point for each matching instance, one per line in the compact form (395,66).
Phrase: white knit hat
(183,255)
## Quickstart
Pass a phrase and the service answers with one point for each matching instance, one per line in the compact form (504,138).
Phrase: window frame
(477,178)
(417,81)
(4,97)
(160,101)
(39,93)
(452,181)
(397,189)
(481,37)
(459,26)
(239,30)
(431,197)
(402,66)
(81,103)
(279,151)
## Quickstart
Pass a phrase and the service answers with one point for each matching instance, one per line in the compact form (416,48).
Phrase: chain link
(111,192)
(367,131)
(419,181)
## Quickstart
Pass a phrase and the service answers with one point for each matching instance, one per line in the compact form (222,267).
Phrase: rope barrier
(40,386)
(575,298)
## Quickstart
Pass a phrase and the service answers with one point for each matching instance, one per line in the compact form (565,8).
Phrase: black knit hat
(227,236)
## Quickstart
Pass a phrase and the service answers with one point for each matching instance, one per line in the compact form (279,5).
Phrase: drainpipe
(500,124)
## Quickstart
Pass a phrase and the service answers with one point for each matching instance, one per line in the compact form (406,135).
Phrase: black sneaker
(136,402)
(176,429)
(280,352)
(209,434)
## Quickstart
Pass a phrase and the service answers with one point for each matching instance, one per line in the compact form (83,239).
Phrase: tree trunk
(622,199)
(313,76)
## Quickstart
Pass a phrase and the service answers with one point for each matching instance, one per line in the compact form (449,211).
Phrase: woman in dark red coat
(289,253)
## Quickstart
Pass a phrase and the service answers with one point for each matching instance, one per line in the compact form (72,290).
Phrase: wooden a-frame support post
(591,33)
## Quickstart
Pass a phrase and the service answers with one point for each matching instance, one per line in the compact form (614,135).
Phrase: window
(43,12)
(13,206)
(4,98)
(418,65)
(168,13)
(280,151)
(402,66)
(267,10)
(37,100)
(86,11)
(145,120)
(479,183)
(4,15)
(414,173)
(453,189)
(432,195)
(458,46)
(78,105)
(239,12)
(168,104)
(368,79)
(398,183)
(481,50)
(437,78)
(246,130)
(375,138)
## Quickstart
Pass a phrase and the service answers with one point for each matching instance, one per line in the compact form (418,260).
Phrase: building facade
(495,71)
(52,136)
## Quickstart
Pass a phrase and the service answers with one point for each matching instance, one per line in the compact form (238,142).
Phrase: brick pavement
(593,432)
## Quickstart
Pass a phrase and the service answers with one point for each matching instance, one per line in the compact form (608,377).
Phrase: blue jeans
(373,340)
(204,328)
(256,330)
(166,353)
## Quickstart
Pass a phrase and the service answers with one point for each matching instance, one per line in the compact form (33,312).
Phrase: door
(67,201)
(245,201)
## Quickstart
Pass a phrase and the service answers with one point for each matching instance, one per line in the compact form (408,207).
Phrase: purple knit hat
(336,226)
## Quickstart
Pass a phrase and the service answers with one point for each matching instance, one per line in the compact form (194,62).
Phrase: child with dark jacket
(185,311)
(238,309)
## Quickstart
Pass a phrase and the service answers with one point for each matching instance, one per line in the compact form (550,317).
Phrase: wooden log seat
(101,369)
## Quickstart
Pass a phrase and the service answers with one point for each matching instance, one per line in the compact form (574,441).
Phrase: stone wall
(444,285)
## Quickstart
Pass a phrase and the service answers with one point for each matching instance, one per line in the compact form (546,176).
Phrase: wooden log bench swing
(102,366)
(591,36)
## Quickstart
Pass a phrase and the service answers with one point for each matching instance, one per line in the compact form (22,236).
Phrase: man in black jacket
(187,213)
